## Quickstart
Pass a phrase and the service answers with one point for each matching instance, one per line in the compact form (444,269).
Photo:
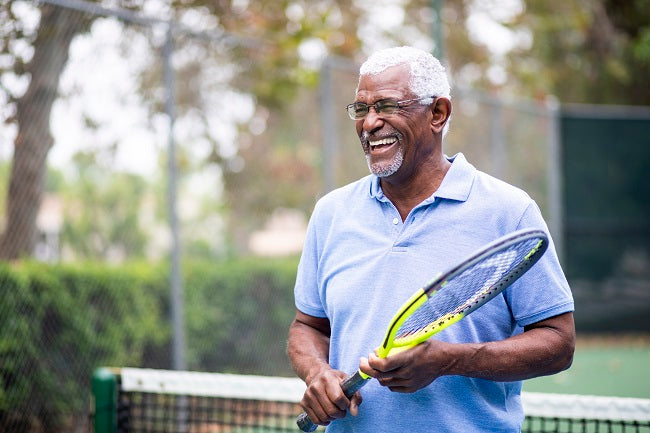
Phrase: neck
(412,190)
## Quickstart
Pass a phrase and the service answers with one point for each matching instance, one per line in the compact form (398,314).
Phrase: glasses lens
(358,110)
(386,106)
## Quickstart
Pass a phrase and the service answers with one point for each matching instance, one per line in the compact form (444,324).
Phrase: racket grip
(305,423)
(350,385)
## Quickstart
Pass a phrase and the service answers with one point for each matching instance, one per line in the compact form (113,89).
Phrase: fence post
(328,126)
(105,398)
(497,138)
(554,176)
(176,284)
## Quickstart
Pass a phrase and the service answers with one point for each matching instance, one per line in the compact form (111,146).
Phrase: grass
(609,366)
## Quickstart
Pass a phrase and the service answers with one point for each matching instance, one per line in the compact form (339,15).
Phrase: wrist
(452,359)
(316,369)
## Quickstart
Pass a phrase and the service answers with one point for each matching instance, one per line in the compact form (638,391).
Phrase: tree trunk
(57,28)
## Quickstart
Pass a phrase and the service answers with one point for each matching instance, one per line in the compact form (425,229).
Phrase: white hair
(428,76)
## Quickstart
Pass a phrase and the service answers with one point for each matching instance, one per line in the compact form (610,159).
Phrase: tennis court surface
(145,400)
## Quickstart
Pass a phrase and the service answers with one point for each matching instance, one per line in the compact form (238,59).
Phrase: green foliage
(238,314)
(103,216)
(584,51)
(58,323)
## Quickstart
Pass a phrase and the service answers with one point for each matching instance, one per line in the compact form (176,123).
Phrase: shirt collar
(458,181)
(456,185)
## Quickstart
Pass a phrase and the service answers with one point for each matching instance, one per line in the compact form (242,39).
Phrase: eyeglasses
(359,110)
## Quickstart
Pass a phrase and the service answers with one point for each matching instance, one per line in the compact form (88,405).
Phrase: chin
(385,169)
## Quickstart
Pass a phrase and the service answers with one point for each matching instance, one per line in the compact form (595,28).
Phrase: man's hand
(324,400)
(308,350)
(412,369)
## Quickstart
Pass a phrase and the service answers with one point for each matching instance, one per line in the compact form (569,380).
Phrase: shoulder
(496,203)
(464,182)
(497,189)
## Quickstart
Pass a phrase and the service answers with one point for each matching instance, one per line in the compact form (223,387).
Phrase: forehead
(391,82)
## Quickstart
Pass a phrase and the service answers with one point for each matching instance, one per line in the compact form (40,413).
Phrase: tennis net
(161,401)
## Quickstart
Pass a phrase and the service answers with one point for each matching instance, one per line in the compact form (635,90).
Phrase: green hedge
(238,314)
(60,322)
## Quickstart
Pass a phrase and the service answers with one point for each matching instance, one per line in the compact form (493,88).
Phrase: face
(391,142)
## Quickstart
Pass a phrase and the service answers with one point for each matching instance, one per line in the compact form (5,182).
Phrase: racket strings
(467,290)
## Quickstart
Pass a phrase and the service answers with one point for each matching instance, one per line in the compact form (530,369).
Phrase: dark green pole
(437,33)
(105,396)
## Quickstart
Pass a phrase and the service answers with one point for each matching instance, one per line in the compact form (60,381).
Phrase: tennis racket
(451,296)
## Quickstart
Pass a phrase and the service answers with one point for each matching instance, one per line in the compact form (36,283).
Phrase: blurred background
(159,161)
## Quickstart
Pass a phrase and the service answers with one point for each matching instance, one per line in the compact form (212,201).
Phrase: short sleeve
(306,290)
(543,292)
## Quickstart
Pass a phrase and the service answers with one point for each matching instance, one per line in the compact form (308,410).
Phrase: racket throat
(387,346)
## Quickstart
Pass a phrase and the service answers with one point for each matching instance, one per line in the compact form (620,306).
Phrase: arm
(308,350)
(544,348)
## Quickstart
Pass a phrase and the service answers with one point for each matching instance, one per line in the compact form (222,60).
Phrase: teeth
(389,140)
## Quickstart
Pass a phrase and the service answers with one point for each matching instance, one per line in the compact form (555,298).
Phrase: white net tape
(291,390)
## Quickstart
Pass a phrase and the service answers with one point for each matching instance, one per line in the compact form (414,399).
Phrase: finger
(316,412)
(376,364)
(403,389)
(385,365)
(338,398)
(366,368)
(355,401)
(321,404)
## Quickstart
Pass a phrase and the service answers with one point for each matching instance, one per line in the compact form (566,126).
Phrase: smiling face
(393,144)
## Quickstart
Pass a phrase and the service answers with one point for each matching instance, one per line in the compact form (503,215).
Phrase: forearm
(308,350)
(539,351)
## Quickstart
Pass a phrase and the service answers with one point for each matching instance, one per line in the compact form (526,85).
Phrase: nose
(372,121)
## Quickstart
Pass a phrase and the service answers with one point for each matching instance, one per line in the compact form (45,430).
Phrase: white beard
(386,169)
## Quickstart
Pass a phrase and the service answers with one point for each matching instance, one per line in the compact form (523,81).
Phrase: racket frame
(390,346)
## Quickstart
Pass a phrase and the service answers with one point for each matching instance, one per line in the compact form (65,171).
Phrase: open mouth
(384,142)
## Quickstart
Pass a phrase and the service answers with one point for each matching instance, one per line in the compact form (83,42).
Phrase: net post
(104,388)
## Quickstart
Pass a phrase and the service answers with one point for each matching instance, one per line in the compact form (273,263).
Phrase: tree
(271,76)
(57,28)
(596,51)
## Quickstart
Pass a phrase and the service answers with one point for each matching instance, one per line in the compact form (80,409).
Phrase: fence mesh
(86,204)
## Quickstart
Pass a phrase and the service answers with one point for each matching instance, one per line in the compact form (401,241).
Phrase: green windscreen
(606,164)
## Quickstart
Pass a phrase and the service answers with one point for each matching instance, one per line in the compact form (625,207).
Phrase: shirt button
(395,220)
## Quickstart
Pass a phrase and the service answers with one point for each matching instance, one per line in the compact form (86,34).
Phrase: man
(372,243)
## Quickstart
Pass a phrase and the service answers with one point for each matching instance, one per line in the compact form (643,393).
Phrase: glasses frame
(351,112)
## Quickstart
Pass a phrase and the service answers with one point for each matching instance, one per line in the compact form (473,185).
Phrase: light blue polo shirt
(360,262)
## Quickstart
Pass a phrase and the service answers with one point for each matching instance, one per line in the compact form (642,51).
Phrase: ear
(441,110)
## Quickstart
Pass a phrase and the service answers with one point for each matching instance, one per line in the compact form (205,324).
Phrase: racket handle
(305,423)
(350,385)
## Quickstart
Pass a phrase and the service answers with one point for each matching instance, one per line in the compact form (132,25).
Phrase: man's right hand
(324,400)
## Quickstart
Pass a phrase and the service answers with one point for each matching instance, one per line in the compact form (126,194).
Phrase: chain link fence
(130,247)
(127,187)
(121,125)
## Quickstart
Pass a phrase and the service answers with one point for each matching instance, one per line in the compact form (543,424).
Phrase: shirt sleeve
(306,291)
(543,292)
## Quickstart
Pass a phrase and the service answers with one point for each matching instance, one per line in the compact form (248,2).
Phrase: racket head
(461,290)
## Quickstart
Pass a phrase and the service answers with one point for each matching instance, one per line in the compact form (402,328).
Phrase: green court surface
(613,366)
